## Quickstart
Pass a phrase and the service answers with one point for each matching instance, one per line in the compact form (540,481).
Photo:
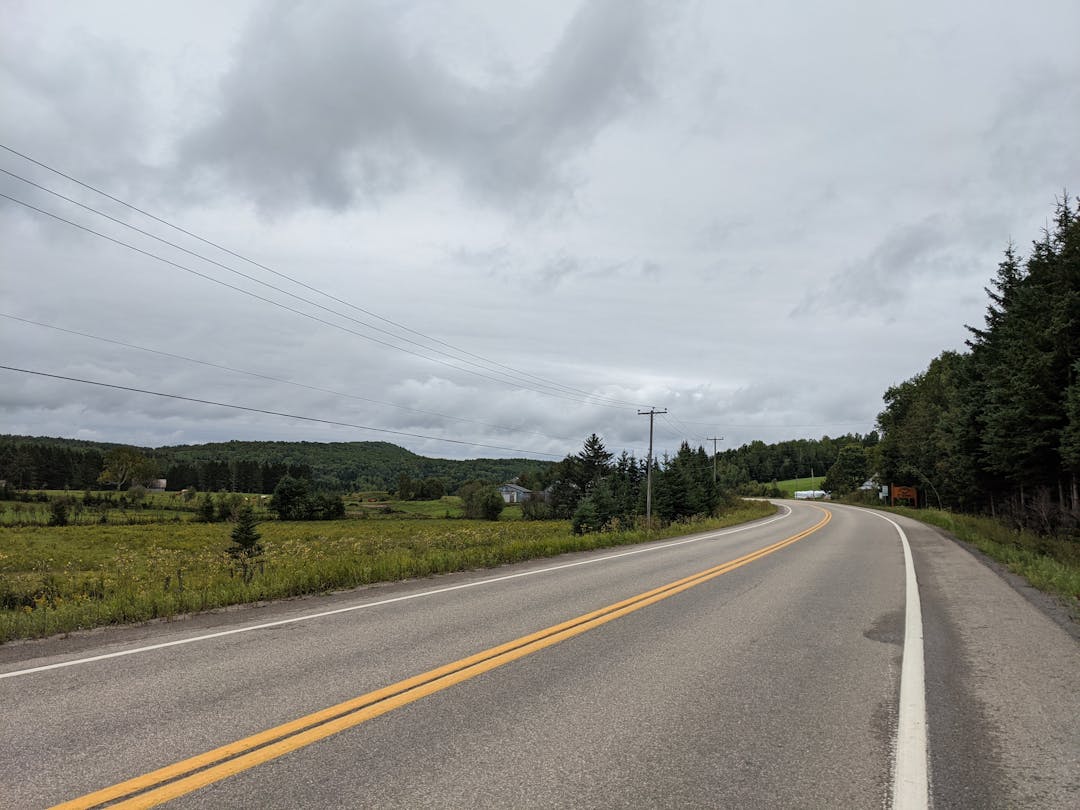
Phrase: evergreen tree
(204,512)
(245,548)
(595,461)
(567,489)
(585,518)
(58,512)
(1027,352)
(1001,424)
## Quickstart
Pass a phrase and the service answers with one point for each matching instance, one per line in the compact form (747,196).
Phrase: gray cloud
(329,103)
(1038,115)
(893,271)
(757,215)
(90,109)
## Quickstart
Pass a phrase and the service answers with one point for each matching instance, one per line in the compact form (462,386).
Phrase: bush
(293,501)
(586,517)
(325,507)
(482,503)
(536,507)
(596,511)
(229,505)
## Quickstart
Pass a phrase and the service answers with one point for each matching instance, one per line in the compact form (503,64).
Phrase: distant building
(513,493)
(157,485)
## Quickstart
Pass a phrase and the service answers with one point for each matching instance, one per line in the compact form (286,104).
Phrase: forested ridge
(240,466)
(996,428)
(244,466)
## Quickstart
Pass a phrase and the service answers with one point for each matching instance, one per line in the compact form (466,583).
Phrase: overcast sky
(533,219)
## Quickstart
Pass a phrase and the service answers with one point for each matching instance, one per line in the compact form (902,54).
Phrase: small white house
(512,493)
(157,485)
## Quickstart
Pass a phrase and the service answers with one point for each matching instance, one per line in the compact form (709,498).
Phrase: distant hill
(39,461)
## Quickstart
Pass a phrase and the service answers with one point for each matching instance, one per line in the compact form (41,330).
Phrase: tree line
(996,428)
(46,463)
(758,462)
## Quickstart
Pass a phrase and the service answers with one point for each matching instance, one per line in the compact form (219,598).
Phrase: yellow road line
(198,771)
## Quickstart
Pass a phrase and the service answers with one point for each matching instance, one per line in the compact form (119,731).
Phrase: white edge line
(422,594)
(911,783)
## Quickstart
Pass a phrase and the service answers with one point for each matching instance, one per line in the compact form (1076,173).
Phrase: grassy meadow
(793,485)
(57,579)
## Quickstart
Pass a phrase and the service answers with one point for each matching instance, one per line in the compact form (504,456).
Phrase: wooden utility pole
(651,413)
(714,440)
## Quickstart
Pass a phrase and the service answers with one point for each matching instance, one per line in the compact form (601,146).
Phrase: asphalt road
(772,683)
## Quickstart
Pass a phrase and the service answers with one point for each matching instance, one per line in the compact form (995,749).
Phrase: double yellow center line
(164,784)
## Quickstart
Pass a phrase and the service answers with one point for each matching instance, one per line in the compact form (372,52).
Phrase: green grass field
(170,507)
(793,485)
(63,578)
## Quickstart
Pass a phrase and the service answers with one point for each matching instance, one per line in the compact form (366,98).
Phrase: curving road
(753,667)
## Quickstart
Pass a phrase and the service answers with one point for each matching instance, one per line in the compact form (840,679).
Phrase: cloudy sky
(499,227)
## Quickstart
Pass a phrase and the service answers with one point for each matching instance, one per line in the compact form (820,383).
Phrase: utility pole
(651,413)
(714,440)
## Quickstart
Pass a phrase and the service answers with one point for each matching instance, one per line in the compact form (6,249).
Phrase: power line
(510,377)
(681,428)
(514,372)
(278,379)
(288,308)
(275,413)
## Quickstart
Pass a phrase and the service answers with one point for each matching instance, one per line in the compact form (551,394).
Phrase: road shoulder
(1002,683)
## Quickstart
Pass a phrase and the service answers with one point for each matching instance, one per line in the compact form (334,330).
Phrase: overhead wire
(275,413)
(288,308)
(255,374)
(509,380)
(519,374)
(681,429)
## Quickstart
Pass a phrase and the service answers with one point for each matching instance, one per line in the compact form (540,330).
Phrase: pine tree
(204,512)
(595,461)
(246,547)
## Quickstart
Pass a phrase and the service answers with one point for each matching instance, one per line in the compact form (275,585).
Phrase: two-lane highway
(753,667)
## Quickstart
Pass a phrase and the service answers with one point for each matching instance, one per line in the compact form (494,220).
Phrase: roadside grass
(1050,564)
(793,485)
(66,578)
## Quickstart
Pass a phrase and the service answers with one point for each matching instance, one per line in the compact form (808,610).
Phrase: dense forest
(797,458)
(996,428)
(47,463)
